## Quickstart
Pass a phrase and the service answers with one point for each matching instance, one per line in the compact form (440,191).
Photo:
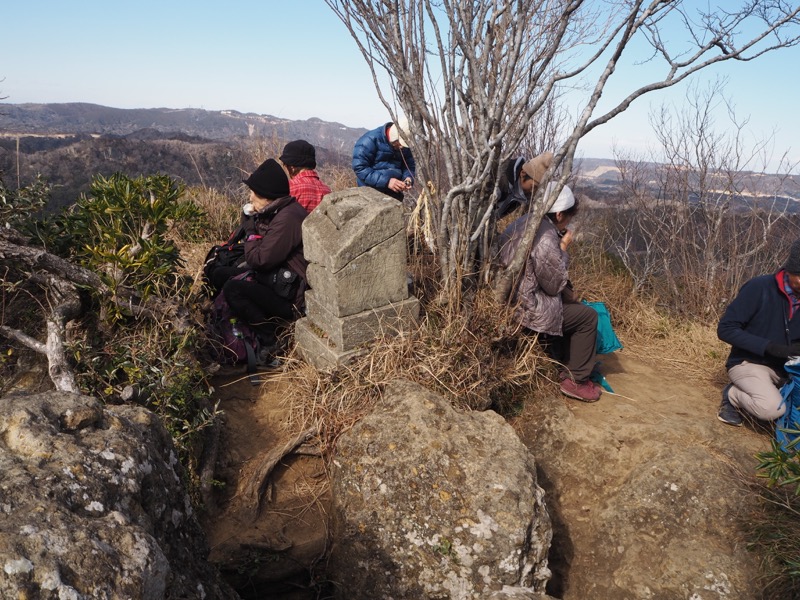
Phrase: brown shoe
(585,391)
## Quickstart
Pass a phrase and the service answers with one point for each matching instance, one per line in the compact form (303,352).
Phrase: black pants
(219,276)
(258,305)
(576,349)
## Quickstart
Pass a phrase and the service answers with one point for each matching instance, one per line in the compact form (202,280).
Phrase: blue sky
(293,60)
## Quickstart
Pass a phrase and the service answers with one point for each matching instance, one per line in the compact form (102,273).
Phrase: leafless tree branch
(471,76)
(61,280)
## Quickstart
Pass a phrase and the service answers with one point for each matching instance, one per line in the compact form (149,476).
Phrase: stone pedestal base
(318,351)
(360,328)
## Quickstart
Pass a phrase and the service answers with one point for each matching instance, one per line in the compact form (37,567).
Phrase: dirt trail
(653,410)
(289,531)
(642,486)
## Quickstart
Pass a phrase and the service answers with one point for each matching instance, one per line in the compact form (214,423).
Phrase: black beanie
(269,180)
(299,153)
(792,264)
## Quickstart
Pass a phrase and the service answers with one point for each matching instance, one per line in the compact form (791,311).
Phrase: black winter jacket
(281,240)
(757,316)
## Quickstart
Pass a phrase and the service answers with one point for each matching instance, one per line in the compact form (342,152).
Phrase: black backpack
(229,254)
(234,341)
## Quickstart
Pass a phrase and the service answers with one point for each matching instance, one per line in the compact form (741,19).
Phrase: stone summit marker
(355,243)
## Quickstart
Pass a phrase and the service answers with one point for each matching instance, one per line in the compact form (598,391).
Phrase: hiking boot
(728,413)
(585,391)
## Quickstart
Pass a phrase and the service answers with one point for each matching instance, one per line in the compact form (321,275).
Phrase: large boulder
(430,502)
(94,505)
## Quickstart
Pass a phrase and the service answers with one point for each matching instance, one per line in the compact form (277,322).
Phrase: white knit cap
(565,199)
(394,134)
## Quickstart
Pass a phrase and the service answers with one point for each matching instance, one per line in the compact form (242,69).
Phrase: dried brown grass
(337,177)
(471,357)
(223,211)
(645,327)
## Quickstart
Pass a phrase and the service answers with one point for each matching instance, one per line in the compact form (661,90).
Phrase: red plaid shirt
(308,189)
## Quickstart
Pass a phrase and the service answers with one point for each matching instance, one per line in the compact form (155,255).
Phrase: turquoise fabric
(600,380)
(607,340)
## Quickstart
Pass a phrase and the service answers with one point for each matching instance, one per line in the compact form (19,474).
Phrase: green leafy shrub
(121,230)
(125,230)
(17,206)
(153,366)
(774,527)
(781,466)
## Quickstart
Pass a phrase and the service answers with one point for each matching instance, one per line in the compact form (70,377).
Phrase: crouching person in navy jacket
(762,325)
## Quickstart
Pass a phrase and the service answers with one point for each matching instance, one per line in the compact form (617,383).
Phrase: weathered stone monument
(355,243)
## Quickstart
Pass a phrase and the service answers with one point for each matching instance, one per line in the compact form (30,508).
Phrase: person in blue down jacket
(382,160)
(762,325)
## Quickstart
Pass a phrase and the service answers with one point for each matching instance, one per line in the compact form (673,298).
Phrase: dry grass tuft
(223,211)
(472,358)
(337,177)
(648,329)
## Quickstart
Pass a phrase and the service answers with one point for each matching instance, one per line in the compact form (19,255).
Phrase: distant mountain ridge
(69,143)
(76,118)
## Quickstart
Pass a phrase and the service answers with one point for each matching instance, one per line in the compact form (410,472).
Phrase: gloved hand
(781,351)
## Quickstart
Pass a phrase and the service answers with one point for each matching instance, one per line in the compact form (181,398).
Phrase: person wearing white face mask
(274,252)
(545,302)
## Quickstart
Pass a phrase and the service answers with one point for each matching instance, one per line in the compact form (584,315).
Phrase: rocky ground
(644,488)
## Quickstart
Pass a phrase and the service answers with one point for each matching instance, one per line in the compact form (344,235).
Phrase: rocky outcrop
(430,502)
(93,505)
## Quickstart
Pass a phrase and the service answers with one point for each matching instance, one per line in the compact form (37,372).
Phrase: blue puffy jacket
(375,161)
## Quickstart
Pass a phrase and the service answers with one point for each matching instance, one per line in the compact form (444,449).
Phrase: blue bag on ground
(790,420)
(607,340)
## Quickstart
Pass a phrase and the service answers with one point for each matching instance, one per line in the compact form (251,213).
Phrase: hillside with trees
(70,143)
